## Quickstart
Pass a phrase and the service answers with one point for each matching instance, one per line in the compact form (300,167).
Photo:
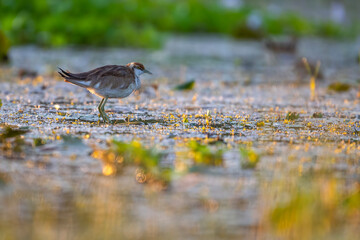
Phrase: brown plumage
(110,76)
(110,81)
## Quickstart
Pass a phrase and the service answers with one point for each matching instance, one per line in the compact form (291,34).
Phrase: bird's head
(138,68)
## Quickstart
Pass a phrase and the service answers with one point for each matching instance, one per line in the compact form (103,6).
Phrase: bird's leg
(100,109)
(103,111)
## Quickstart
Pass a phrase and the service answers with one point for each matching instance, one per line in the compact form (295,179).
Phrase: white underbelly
(113,93)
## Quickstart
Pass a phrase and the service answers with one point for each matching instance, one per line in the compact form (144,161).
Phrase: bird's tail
(76,79)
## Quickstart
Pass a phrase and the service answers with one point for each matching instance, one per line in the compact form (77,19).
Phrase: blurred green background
(145,23)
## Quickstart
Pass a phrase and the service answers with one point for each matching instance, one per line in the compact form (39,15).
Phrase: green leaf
(189,85)
(292,116)
(249,158)
(11,133)
(339,87)
(203,155)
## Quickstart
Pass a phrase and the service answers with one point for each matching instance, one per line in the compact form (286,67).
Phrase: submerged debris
(26,73)
(317,115)
(282,45)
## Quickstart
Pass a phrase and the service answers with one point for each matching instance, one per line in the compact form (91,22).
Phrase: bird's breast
(114,92)
(137,83)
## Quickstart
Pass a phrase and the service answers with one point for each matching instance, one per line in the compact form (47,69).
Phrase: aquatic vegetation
(317,115)
(260,124)
(9,132)
(249,158)
(339,87)
(120,155)
(292,116)
(314,73)
(39,142)
(189,85)
(328,29)
(144,23)
(185,119)
(203,155)
(4,46)
(319,208)
(208,118)
(12,142)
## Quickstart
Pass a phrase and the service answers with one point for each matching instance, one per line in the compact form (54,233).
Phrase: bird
(109,81)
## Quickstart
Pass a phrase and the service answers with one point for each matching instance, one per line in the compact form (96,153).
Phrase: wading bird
(110,81)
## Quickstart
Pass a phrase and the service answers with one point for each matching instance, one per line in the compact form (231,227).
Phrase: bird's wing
(113,76)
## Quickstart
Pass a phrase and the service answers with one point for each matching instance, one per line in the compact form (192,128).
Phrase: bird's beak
(147,71)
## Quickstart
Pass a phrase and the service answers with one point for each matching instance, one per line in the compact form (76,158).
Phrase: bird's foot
(106,118)
(107,121)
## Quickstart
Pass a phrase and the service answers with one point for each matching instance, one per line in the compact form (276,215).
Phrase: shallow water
(242,95)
